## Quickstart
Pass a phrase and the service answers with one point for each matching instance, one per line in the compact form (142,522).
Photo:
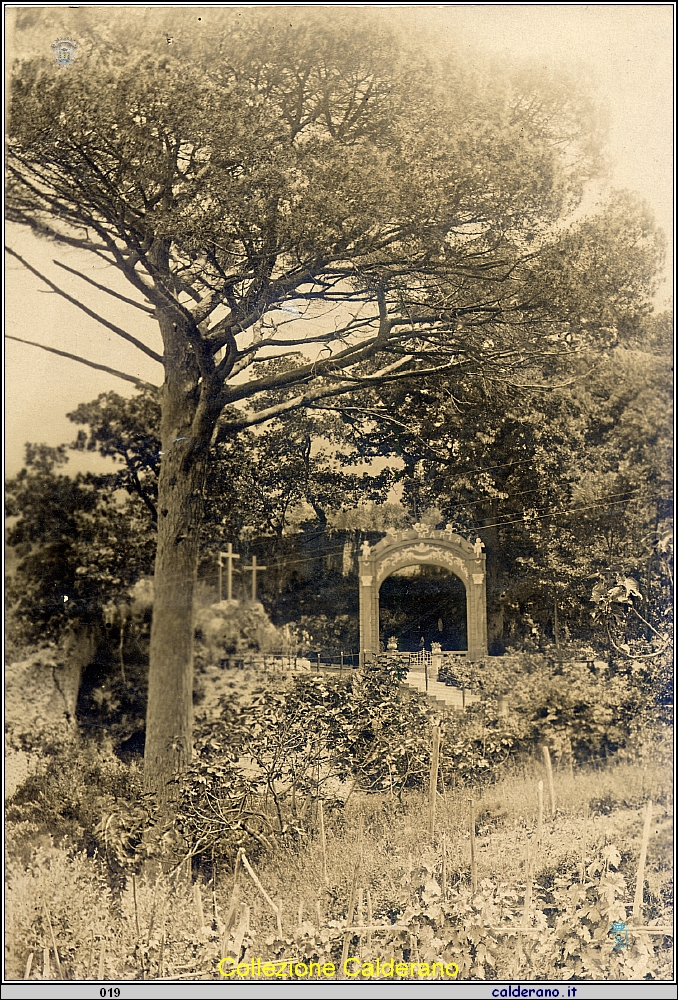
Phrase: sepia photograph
(339,499)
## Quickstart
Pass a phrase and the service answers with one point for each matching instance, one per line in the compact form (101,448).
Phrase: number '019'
(112,992)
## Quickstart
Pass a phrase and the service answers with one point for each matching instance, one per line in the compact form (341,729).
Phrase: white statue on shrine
(366,550)
(478,547)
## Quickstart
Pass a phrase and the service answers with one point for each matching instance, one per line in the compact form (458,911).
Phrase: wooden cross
(254,569)
(230,555)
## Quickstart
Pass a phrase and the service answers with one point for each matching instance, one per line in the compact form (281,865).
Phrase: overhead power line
(626,497)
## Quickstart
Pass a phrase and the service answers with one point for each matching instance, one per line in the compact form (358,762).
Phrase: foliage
(101,933)
(566,487)
(126,430)
(313,632)
(66,798)
(79,545)
(292,748)
(417,212)
(581,712)
(567,927)
(223,630)
(616,607)
(474,750)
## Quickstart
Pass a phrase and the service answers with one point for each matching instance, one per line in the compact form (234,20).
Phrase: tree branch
(89,312)
(286,406)
(109,291)
(90,364)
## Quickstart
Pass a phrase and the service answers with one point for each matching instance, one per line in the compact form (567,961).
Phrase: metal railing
(322,659)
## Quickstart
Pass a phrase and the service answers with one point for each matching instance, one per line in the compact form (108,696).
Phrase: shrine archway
(423,546)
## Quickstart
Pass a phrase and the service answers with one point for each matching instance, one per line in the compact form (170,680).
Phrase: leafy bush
(66,799)
(580,712)
(312,632)
(286,750)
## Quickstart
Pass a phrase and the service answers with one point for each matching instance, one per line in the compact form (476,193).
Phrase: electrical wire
(573,510)
(541,489)
(627,496)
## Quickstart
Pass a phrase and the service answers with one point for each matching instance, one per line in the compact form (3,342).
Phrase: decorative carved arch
(423,546)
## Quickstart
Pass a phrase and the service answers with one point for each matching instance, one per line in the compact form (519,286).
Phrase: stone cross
(230,555)
(254,569)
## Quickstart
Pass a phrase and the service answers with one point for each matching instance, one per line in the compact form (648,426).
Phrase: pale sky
(627,48)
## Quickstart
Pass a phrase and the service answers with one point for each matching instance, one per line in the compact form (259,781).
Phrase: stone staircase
(443,695)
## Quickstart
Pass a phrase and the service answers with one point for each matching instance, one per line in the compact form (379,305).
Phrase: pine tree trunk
(186,427)
(169,714)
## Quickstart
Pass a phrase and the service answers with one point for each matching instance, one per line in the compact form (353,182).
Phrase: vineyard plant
(303,833)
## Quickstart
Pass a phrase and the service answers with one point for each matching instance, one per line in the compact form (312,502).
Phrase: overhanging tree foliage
(307,209)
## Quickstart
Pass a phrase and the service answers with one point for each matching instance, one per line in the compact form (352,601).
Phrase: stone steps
(443,694)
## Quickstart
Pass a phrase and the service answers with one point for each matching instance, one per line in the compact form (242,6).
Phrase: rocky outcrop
(41,694)
(232,628)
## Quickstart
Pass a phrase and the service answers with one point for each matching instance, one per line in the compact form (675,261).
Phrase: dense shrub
(581,710)
(78,786)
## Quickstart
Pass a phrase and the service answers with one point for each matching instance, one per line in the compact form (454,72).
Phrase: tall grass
(159,926)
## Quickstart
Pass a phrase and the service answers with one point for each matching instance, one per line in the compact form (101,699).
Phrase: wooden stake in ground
(359,918)
(138,949)
(235,896)
(198,906)
(46,971)
(54,944)
(472,829)
(540,813)
(276,908)
(243,928)
(102,953)
(527,905)
(90,956)
(349,917)
(323,843)
(444,871)
(583,846)
(29,965)
(149,933)
(549,775)
(433,781)
(215,911)
(529,877)
(640,877)
(161,956)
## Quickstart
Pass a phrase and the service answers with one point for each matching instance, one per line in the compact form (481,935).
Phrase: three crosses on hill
(230,555)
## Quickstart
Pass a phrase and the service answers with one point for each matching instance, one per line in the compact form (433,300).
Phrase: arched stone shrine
(422,545)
